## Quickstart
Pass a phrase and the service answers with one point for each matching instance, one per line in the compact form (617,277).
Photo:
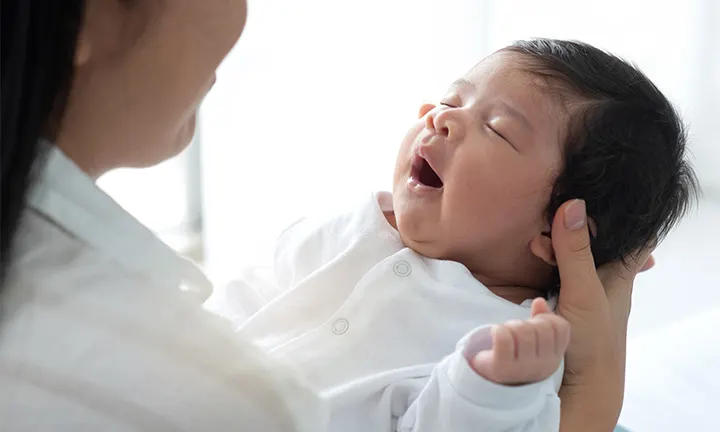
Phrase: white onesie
(382,332)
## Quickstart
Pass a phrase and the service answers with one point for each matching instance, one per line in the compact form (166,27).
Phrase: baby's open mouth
(424,174)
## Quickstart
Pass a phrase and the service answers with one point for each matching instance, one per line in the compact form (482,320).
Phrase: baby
(425,310)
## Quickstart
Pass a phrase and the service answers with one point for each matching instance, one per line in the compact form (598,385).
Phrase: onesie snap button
(402,269)
(340,326)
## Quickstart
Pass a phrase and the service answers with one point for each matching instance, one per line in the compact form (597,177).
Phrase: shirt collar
(72,200)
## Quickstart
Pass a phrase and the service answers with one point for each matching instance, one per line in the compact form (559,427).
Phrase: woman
(95,333)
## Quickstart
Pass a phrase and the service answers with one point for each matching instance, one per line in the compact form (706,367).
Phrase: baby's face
(473,176)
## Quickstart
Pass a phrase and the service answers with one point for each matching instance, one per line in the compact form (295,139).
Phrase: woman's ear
(425,108)
(107,29)
(83,49)
(84,46)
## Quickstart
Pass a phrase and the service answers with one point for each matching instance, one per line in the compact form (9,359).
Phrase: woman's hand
(596,303)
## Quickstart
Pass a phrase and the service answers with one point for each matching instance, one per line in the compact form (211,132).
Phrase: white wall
(312,104)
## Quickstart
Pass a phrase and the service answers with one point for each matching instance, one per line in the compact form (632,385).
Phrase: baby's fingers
(547,340)
(494,364)
(539,306)
(504,346)
(525,338)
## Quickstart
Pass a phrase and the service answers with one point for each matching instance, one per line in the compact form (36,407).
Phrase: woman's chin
(171,147)
(184,137)
(187,133)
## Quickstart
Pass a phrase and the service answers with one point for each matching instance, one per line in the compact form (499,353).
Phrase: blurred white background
(311,105)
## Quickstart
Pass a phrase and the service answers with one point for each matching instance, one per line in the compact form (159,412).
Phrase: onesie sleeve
(456,398)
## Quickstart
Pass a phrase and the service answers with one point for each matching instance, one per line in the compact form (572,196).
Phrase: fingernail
(575,215)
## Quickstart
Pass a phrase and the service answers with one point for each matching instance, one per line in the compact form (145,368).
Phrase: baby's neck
(508,289)
(516,294)
(513,294)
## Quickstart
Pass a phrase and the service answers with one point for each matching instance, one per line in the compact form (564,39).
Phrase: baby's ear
(541,247)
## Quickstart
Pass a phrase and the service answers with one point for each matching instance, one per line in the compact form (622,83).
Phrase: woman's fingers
(622,274)
(579,284)
(595,303)
(617,279)
(562,334)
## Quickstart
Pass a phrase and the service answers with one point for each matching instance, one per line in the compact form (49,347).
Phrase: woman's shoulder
(46,259)
(87,342)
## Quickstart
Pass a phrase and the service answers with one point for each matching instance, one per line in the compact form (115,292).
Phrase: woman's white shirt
(102,329)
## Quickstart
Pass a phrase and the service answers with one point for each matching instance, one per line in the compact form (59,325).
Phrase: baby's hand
(525,351)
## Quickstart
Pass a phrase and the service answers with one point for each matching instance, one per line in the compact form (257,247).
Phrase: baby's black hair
(624,151)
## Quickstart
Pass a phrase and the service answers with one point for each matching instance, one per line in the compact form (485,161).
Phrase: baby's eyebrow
(513,112)
(462,82)
(507,107)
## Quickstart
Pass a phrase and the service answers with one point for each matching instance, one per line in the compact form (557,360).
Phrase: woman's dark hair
(38,49)
(624,148)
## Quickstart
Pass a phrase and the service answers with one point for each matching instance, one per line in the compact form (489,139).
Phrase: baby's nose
(444,122)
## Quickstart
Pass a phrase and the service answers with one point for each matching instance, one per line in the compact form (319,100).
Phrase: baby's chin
(426,246)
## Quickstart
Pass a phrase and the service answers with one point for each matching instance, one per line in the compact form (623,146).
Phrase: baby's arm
(506,386)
